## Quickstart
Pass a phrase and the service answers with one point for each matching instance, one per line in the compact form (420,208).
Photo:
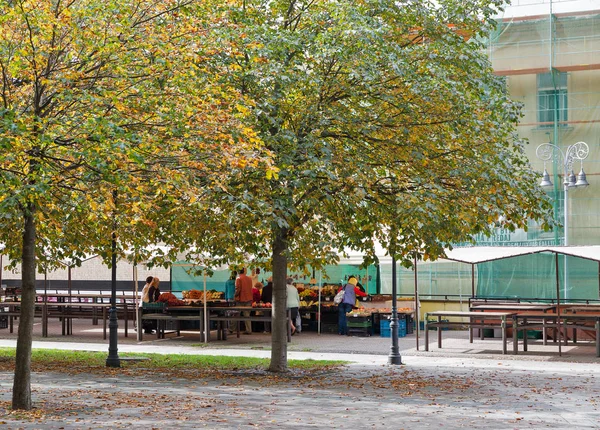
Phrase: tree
(384,121)
(96,102)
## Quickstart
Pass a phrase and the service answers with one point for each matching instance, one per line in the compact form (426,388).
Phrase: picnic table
(475,320)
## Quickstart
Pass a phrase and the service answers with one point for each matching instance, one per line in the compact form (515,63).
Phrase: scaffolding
(549,53)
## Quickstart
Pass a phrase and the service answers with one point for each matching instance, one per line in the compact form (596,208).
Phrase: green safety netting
(183,277)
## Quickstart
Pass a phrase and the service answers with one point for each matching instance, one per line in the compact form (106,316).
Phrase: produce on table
(170,300)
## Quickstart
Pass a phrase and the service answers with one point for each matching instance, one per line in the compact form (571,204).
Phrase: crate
(387,332)
(410,324)
(359,318)
(359,324)
(150,308)
(3,322)
(329,328)
(385,325)
(531,334)
(365,331)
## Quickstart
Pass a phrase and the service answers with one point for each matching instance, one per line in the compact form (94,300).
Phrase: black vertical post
(113,323)
(394,357)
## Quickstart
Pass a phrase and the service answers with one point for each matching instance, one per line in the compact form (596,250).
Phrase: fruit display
(170,300)
(308,303)
(199,295)
(261,305)
(329,290)
(308,294)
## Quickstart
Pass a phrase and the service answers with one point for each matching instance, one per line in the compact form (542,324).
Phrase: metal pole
(113,359)
(136,303)
(394,357)
(319,308)
(205,316)
(566,227)
(416,304)
(557,305)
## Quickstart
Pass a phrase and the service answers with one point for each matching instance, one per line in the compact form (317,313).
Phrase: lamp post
(394,357)
(113,359)
(578,151)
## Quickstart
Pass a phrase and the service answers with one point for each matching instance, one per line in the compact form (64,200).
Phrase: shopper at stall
(348,302)
(266,296)
(150,294)
(144,294)
(230,286)
(293,302)
(254,276)
(154,291)
(256,290)
(243,296)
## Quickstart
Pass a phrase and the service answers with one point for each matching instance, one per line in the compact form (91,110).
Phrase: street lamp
(394,357)
(578,151)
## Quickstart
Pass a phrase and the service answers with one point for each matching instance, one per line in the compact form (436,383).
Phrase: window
(552,98)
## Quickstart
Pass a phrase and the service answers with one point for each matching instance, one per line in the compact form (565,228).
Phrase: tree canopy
(106,109)
(385,122)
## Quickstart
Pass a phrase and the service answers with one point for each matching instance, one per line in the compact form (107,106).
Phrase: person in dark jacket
(266,296)
(348,302)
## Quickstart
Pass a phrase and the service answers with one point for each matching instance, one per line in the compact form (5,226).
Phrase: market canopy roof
(482,254)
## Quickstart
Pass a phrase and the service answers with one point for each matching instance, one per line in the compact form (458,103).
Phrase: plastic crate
(359,331)
(3,322)
(155,307)
(359,318)
(410,324)
(531,334)
(359,324)
(385,325)
(387,332)
(329,328)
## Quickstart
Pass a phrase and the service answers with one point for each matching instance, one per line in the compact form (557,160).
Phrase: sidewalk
(364,350)
(460,386)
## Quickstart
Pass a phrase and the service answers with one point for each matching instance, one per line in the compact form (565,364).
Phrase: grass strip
(65,359)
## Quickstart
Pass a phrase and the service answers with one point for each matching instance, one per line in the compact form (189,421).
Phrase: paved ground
(462,385)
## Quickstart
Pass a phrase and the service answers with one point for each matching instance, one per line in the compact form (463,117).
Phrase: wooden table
(476,319)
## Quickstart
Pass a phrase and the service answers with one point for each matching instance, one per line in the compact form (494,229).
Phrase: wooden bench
(584,321)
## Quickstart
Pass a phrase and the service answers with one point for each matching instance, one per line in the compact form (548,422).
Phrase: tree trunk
(279,326)
(22,382)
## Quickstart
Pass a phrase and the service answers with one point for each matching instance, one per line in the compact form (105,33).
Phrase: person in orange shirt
(243,296)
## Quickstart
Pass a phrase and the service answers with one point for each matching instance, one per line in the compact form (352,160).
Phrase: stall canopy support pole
(472,281)
(319,311)
(557,305)
(205,316)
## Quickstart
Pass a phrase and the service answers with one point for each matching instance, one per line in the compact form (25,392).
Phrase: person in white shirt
(293,302)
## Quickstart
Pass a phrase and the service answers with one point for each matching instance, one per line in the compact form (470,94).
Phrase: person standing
(144,294)
(266,296)
(293,302)
(154,291)
(230,286)
(243,295)
(348,302)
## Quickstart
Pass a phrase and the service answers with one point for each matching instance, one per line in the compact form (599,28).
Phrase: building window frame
(552,99)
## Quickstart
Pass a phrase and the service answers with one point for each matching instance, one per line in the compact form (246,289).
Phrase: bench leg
(515,337)
(598,337)
(426,327)
(439,332)
(139,324)
(503,325)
